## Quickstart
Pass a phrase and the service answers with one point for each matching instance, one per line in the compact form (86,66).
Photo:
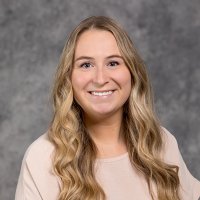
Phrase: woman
(104,141)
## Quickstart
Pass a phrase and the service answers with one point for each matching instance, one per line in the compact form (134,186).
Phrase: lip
(109,93)
(100,91)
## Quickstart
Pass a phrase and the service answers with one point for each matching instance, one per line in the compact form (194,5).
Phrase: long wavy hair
(75,151)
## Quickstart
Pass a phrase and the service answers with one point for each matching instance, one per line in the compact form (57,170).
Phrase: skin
(101,84)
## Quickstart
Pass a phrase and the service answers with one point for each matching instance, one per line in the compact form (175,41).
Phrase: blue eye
(86,65)
(113,63)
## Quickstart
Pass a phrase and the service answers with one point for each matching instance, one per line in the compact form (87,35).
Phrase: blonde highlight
(75,151)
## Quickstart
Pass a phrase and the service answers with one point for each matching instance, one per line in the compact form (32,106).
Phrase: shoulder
(37,174)
(170,152)
(40,149)
(190,187)
(39,156)
(168,137)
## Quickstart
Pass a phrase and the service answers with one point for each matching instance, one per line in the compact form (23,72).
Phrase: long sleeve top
(117,177)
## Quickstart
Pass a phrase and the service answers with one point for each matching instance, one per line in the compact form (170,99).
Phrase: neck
(107,135)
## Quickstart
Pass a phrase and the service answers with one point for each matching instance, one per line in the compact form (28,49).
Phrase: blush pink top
(117,177)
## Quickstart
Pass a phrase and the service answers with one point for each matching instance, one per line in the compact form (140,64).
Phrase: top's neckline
(112,159)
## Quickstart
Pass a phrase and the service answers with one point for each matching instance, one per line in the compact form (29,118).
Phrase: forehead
(96,42)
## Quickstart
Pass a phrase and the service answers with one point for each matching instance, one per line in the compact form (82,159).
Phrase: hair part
(75,151)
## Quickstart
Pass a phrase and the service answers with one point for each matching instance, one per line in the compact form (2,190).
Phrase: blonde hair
(75,151)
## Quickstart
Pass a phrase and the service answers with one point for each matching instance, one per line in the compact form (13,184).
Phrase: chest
(121,181)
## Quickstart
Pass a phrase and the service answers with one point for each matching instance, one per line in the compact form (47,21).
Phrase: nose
(101,76)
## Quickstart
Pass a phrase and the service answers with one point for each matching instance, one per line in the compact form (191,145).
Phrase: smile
(104,93)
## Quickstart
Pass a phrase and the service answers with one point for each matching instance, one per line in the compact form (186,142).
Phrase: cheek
(127,85)
(124,79)
(76,85)
(77,81)
(79,85)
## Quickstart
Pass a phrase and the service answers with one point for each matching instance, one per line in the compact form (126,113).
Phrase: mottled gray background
(32,35)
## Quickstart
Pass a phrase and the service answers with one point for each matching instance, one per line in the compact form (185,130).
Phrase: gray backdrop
(32,35)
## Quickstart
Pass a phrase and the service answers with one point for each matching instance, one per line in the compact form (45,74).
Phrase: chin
(103,112)
(103,109)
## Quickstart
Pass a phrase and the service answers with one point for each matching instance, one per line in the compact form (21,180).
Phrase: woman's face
(100,79)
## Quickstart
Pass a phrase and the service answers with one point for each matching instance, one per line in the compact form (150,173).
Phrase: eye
(113,63)
(86,65)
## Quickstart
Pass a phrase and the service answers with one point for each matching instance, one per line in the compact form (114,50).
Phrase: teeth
(101,93)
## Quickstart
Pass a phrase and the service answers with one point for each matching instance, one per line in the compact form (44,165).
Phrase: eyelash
(85,64)
(115,63)
(111,63)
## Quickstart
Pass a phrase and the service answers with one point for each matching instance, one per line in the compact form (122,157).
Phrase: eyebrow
(91,58)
